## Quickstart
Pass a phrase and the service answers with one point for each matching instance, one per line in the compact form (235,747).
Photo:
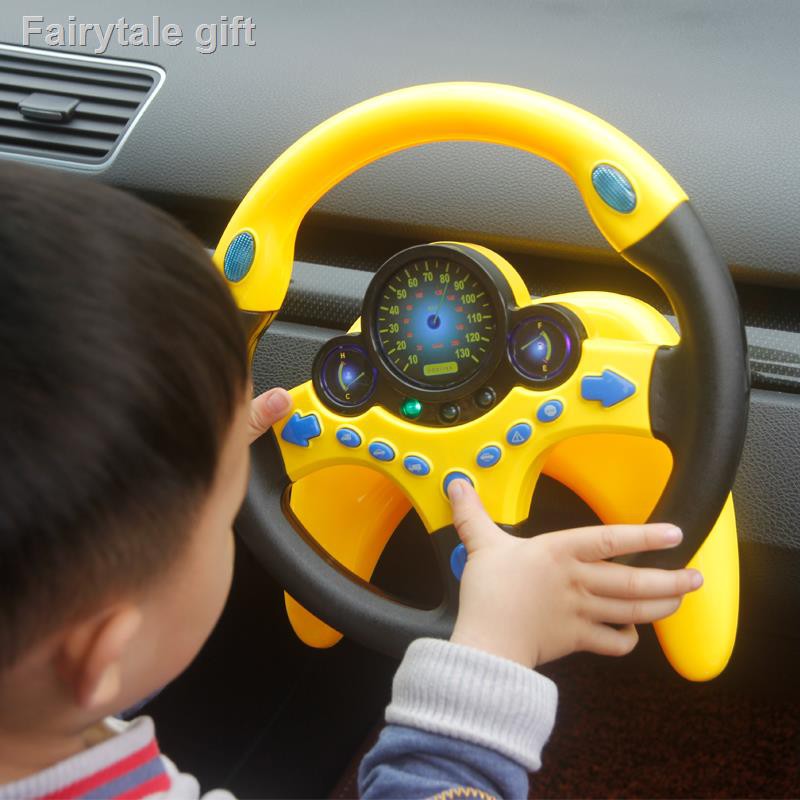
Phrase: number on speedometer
(435,323)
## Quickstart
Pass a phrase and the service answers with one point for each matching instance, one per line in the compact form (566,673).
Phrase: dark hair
(122,361)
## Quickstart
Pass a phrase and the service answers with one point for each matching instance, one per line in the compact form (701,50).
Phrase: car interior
(708,89)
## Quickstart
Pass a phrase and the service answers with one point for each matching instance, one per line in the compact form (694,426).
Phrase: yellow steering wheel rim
(644,215)
(600,159)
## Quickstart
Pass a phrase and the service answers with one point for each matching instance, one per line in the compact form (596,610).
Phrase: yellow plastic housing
(506,488)
(351,503)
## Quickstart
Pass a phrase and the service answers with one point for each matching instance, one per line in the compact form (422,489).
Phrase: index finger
(473,524)
(602,542)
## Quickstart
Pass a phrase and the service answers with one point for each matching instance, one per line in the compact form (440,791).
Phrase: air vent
(66,108)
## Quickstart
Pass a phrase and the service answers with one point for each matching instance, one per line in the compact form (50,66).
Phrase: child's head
(123,451)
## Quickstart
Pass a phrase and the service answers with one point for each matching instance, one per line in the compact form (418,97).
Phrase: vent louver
(35,88)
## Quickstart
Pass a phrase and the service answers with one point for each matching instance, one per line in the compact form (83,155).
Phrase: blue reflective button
(489,456)
(550,411)
(239,256)
(608,388)
(452,476)
(458,560)
(614,188)
(299,429)
(381,451)
(416,465)
(348,437)
(519,433)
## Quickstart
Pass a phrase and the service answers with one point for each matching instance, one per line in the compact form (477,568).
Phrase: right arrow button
(608,389)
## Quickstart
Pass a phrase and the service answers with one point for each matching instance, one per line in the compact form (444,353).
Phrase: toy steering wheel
(408,399)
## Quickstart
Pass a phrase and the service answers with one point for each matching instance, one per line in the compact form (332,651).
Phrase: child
(126,421)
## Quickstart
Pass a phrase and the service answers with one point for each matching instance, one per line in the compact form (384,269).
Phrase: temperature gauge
(348,377)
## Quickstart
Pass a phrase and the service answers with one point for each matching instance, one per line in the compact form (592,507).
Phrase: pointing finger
(474,525)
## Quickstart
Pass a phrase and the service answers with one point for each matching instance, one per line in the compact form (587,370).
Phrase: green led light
(411,408)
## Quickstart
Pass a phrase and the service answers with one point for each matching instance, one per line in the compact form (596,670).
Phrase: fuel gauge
(348,376)
(544,349)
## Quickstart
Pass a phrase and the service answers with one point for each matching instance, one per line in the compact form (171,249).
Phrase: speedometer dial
(435,323)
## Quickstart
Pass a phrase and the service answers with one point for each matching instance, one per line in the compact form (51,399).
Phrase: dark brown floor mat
(669,738)
(621,732)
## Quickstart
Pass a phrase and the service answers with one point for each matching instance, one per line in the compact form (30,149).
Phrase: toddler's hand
(267,409)
(536,600)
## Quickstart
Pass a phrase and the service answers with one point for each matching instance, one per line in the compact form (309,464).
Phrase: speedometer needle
(441,299)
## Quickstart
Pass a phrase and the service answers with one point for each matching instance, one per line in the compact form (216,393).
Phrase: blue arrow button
(608,388)
(299,429)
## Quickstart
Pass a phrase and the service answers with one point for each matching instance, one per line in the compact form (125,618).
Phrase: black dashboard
(709,88)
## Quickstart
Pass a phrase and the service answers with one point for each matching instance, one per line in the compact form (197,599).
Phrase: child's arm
(460,719)
(469,718)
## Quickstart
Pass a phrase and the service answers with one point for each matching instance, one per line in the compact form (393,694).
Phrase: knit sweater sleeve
(461,723)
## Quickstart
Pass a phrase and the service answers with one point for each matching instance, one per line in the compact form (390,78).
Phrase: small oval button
(239,256)
(488,456)
(381,451)
(458,560)
(519,434)
(348,437)
(416,465)
(455,475)
(614,188)
(550,411)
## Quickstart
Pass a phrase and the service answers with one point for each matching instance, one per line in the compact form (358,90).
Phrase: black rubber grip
(699,392)
(322,585)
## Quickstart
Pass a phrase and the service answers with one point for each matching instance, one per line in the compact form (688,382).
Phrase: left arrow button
(301,428)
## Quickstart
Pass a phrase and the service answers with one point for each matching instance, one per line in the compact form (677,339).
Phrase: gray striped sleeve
(467,694)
